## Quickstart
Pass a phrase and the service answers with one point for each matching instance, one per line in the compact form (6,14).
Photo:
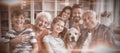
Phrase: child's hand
(25,38)
(21,38)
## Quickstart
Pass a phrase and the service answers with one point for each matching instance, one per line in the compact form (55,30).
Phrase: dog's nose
(72,38)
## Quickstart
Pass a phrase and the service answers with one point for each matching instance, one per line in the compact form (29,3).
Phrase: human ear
(97,17)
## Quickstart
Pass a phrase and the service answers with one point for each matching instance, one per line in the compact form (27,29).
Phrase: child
(53,43)
(20,38)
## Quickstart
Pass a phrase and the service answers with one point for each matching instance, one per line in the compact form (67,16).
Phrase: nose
(72,38)
(60,27)
(87,20)
(77,15)
(18,19)
(43,23)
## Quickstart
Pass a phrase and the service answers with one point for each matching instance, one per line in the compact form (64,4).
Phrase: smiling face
(42,22)
(73,34)
(77,13)
(90,20)
(18,20)
(58,26)
(66,14)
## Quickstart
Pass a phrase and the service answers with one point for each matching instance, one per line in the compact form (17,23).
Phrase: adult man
(76,16)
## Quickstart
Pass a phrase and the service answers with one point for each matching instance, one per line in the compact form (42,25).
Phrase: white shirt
(56,44)
(85,48)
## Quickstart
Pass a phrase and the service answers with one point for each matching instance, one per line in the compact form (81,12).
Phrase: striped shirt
(22,47)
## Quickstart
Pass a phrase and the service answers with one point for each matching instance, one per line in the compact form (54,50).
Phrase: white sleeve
(33,38)
(45,39)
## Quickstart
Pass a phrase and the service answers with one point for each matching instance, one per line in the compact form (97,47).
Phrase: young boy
(20,38)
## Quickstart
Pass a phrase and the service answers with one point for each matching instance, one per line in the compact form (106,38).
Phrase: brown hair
(18,13)
(77,6)
(55,20)
(65,8)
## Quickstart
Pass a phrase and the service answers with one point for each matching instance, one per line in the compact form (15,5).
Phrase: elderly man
(95,35)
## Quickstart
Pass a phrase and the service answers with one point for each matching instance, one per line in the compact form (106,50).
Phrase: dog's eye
(76,33)
(69,33)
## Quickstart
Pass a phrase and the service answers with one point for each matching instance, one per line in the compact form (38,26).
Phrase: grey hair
(46,14)
(91,11)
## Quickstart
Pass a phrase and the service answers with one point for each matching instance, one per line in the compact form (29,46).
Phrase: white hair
(94,14)
(91,11)
(46,14)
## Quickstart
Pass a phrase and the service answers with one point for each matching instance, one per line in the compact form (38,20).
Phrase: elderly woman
(65,14)
(43,20)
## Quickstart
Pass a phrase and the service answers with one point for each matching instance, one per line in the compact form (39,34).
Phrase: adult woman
(65,14)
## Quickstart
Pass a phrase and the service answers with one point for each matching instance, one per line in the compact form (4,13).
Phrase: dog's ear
(62,34)
(67,32)
(66,36)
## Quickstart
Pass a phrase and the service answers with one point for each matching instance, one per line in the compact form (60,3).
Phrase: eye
(69,34)
(46,23)
(76,33)
(84,19)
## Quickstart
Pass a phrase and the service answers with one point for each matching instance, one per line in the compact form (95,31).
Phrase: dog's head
(73,34)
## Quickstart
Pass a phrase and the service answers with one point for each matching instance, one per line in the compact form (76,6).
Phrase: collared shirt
(86,44)
(100,35)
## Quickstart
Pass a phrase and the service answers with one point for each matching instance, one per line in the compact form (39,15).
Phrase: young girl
(53,43)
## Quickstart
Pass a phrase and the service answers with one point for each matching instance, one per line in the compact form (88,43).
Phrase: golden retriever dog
(71,38)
